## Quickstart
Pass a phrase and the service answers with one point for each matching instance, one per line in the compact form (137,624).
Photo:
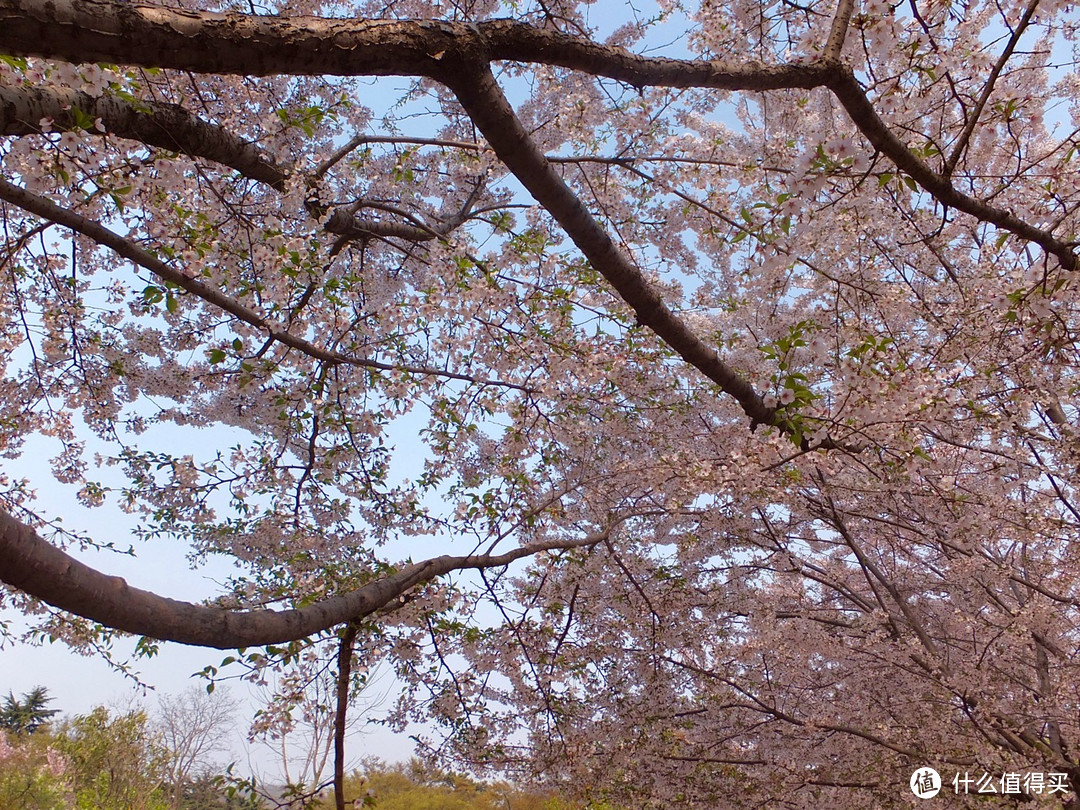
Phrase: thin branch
(359,140)
(851,95)
(46,209)
(988,88)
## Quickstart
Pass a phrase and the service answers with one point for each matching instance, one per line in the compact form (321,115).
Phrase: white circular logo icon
(925,783)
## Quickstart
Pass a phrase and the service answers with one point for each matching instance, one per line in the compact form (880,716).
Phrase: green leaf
(16,62)
(82,119)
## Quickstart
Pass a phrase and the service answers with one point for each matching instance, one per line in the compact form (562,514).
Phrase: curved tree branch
(492,114)
(168,126)
(32,564)
(851,95)
(233,43)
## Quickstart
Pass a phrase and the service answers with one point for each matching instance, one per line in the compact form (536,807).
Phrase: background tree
(738,341)
(120,759)
(113,761)
(416,786)
(210,791)
(27,714)
(33,774)
(191,728)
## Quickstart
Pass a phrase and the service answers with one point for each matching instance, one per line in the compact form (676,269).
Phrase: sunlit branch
(210,42)
(472,146)
(834,45)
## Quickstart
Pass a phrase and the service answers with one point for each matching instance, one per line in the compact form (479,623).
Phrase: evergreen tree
(28,714)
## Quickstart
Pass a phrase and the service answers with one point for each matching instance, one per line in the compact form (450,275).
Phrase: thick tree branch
(458,55)
(168,126)
(31,564)
(149,35)
(154,36)
(207,42)
(852,96)
(492,114)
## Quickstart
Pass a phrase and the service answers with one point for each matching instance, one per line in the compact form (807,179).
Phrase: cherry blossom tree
(741,337)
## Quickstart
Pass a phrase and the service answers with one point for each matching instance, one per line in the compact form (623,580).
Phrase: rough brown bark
(152,36)
(32,564)
(168,126)
(207,42)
